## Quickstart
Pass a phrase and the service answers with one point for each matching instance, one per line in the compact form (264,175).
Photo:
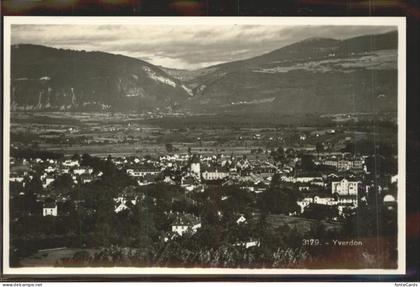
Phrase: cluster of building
(344,195)
(342,161)
(344,189)
(50,170)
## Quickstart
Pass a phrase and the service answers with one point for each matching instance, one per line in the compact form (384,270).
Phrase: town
(192,204)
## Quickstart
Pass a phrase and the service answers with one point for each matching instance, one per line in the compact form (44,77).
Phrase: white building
(142,172)
(48,181)
(181,229)
(394,178)
(80,171)
(390,202)
(315,200)
(49,209)
(16,178)
(304,203)
(248,244)
(345,187)
(214,175)
(122,206)
(251,244)
(50,169)
(121,203)
(324,200)
(241,219)
(71,163)
(303,179)
(186,223)
(195,166)
(169,180)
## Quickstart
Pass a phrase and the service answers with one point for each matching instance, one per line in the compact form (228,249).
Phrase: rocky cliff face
(53,79)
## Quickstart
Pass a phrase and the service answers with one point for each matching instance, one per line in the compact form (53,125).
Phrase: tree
(169,147)
(319,148)
(279,154)
(63,184)
(210,236)
(279,198)
(307,163)
(80,258)
(209,213)
(320,211)
(76,156)
(102,234)
(31,189)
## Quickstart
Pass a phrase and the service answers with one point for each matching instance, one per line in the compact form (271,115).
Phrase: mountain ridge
(321,74)
(324,75)
(71,80)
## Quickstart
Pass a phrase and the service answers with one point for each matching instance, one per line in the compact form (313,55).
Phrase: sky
(182,46)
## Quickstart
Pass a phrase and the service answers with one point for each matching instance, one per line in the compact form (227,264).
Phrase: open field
(103,134)
(48,257)
(302,225)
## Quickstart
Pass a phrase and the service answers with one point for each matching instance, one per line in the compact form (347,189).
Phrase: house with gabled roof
(214,173)
(49,208)
(185,223)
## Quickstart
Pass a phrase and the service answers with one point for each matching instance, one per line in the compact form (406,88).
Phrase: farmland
(103,134)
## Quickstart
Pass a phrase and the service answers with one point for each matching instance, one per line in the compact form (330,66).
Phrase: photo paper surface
(204,145)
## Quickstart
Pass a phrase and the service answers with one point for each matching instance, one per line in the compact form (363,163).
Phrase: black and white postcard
(159,145)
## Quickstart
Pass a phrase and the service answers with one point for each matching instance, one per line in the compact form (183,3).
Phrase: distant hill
(317,75)
(314,75)
(45,78)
